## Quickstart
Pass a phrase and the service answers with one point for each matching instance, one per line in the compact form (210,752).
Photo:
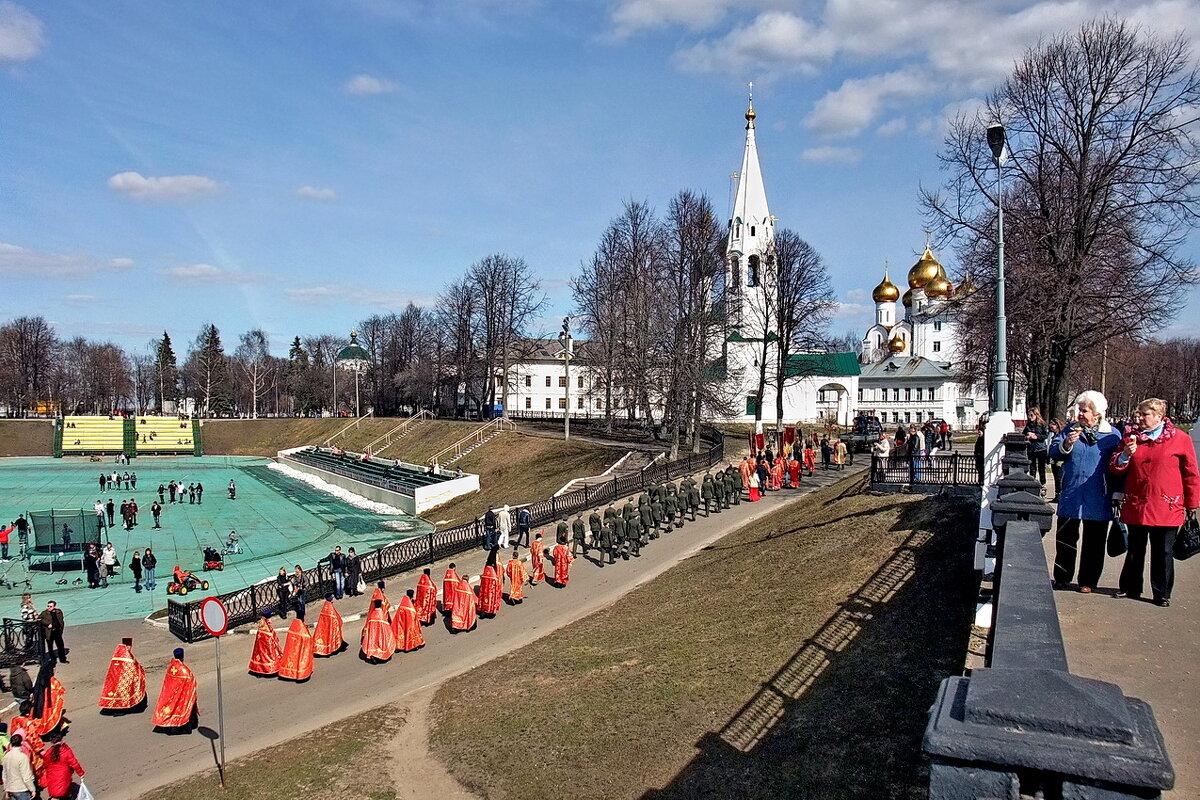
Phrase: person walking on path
(156,512)
(199,493)
(149,562)
(108,562)
(489,529)
(161,491)
(1162,486)
(1084,497)
(517,577)
(53,625)
(135,567)
(1038,435)
(4,534)
(503,527)
(19,781)
(60,765)
(524,523)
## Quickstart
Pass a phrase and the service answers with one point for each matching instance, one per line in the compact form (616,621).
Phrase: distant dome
(896,344)
(908,299)
(886,292)
(924,271)
(353,352)
(939,287)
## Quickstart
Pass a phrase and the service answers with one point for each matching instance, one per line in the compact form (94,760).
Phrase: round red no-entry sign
(214,616)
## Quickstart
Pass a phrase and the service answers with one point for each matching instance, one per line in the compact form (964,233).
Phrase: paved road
(1152,653)
(124,758)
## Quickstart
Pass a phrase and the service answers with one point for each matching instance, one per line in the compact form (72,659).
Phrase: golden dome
(924,271)
(886,292)
(896,344)
(939,287)
(750,115)
(908,299)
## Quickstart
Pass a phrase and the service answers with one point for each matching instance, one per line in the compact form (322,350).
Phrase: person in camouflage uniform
(578,534)
(659,515)
(706,493)
(671,509)
(607,540)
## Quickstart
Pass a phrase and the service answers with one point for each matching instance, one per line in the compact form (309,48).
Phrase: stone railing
(1024,726)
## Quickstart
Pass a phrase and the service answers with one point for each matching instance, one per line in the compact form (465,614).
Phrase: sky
(300,166)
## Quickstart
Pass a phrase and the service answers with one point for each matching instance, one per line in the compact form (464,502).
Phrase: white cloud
(892,127)
(634,15)
(20,33)
(827,154)
(208,274)
(168,187)
(79,299)
(857,295)
(19,262)
(369,84)
(777,40)
(351,295)
(857,315)
(321,193)
(855,104)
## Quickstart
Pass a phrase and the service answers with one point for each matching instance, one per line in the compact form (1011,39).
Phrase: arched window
(751,230)
(752,271)
(735,270)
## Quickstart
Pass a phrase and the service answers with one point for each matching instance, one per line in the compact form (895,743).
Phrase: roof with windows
(908,367)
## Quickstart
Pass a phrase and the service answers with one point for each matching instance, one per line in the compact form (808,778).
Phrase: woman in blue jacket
(1084,500)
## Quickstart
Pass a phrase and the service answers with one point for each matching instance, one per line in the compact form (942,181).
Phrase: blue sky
(298,166)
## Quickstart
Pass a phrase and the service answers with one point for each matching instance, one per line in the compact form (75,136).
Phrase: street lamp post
(995,139)
(564,337)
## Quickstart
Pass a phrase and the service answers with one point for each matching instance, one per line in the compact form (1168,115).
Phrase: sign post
(215,619)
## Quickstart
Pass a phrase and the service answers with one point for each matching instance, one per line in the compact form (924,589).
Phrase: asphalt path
(124,758)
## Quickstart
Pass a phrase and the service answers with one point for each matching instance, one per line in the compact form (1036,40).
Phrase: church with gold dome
(908,356)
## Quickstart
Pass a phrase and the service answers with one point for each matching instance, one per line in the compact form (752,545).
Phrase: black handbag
(1118,539)
(1187,543)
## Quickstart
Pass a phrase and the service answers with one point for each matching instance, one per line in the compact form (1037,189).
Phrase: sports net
(63,531)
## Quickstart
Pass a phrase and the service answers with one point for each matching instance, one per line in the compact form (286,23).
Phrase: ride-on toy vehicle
(213,559)
(233,545)
(185,582)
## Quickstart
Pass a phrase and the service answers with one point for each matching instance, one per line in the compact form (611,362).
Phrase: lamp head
(995,140)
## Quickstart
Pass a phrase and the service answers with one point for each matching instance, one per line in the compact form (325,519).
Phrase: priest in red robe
(176,709)
(426,599)
(378,640)
(379,595)
(490,592)
(562,558)
(794,472)
(465,601)
(450,583)
(297,663)
(125,683)
(407,626)
(327,638)
(264,659)
(517,576)
(536,561)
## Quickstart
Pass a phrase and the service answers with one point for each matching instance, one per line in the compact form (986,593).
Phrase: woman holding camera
(1084,448)
(1162,485)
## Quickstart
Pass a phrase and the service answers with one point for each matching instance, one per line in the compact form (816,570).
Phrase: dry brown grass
(26,437)
(792,613)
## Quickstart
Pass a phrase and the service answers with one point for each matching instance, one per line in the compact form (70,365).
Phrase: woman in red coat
(60,763)
(1158,462)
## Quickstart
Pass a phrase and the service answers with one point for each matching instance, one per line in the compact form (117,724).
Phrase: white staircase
(330,441)
(477,438)
(399,432)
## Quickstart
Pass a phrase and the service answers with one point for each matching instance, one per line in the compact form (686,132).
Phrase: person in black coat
(283,588)
(353,573)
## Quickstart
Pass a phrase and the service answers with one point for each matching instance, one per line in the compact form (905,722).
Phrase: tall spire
(752,226)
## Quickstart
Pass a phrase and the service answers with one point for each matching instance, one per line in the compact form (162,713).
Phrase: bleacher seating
(372,471)
(163,435)
(93,435)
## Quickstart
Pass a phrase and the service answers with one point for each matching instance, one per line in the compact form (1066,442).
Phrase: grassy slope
(634,701)
(26,437)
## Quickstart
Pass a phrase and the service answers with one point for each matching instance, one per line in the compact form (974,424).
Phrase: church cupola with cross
(751,232)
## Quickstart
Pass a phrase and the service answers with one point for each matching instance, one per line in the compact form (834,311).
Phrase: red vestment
(516,580)
(327,638)
(489,591)
(125,684)
(378,641)
(794,473)
(264,660)
(463,617)
(777,475)
(387,607)
(810,459)
(407,627)
(449,586)
(177,700)
(745,468)
(536,562)
(52,708)
(426,599)
(297,663)
(562,564)
(33,744)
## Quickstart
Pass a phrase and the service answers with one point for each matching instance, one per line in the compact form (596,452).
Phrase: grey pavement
(124,758)
(1152,653)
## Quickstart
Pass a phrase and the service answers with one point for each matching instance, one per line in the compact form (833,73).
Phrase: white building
(908,357)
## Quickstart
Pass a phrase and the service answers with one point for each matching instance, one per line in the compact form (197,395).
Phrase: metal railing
(938,469)
(329,442)
(246,605)
(383,442)
(20,642)
(475,437)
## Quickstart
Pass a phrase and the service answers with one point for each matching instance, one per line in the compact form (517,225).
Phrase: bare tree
(1101,192)
(804,305)
(27,347)
(255,366)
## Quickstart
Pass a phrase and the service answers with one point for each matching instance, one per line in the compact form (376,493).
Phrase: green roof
(826,364)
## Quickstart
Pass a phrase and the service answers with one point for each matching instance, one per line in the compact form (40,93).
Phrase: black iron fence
(20,642)
(246,605)
(937,469)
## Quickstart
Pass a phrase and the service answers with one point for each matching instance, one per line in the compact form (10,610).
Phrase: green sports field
(280,521)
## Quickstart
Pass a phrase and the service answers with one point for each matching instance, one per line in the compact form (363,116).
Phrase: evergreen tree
(166,370)
(209,368)
(299,384)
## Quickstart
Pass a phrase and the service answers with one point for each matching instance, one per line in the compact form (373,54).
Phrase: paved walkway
(124,758)
(1152,653)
